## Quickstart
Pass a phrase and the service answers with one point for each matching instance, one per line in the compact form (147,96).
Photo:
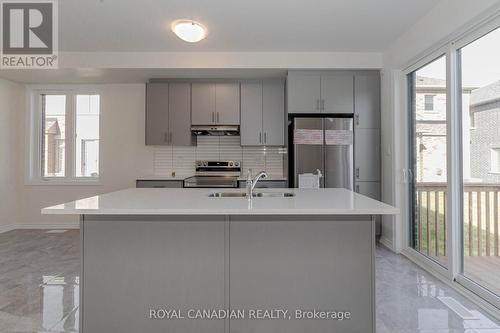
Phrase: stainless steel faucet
(251,183)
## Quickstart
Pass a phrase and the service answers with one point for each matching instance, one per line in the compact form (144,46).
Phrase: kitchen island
(182,260)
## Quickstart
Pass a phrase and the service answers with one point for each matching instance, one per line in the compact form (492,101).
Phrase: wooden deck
(484,270)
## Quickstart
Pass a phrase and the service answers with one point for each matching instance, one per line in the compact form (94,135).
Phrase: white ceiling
(237,25)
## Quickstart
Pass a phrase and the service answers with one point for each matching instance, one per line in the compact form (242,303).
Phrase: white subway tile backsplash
(181,160)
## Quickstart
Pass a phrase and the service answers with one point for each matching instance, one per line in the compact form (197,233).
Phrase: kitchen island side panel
(132,264)
(303,263)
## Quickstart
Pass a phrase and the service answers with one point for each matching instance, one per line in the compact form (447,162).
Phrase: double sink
(257,195)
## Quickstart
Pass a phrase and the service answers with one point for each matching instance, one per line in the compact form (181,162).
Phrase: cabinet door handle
(170,137)
(323,104)
(357,173)
(165,137)
(357,119)
(217,116)
(265,137)
(260,137)
(317,104)
(357,188)
(213,117)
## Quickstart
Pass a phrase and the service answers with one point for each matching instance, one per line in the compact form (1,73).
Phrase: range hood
(215,130)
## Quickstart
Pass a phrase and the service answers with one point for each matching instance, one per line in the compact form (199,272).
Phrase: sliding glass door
(479,73)
(428,104)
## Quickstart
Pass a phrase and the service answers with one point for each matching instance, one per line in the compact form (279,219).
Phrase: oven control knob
(231,164)
(205,163)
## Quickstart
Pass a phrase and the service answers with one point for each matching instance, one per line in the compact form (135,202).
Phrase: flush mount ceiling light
(189,30)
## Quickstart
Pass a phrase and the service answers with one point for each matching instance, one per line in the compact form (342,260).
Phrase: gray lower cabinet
(337,93)
(215,103)
(303,263)
(168,118)
(134,264)
(367,101)
(367,155)
(265,184)
(262,113)
(370,189)
(147,183)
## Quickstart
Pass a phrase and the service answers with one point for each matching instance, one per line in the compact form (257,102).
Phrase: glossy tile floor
(39,290)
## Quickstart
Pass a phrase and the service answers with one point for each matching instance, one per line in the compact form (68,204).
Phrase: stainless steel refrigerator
(324,144)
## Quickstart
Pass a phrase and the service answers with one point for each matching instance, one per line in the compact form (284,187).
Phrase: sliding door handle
(357,173)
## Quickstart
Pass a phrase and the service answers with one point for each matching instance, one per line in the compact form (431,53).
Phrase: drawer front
(159,183)
(266,184)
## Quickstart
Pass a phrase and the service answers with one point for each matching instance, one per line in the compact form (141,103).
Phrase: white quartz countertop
(169,201)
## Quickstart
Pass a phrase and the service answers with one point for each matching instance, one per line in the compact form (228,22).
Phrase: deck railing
(481,219)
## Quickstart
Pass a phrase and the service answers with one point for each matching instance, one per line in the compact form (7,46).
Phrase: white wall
(11,99)
(124,156)
(448,20)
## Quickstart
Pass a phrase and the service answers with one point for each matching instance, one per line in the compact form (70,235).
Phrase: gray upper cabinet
(273,112)
(262,113)
(157,129)
(367,101)
(251,114)
(320,92)
(203,103)
(304,91)
(168,117)
(337,93)
(179,102)
(215,103)
(227,103)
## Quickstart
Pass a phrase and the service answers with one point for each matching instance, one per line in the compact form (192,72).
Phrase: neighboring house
(485,134)
(431,128)
(54,148)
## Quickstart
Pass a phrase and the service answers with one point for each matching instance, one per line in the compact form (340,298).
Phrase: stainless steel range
(215,174)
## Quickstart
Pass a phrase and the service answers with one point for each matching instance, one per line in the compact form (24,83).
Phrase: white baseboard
(40,226)
(387,243)
(6,227)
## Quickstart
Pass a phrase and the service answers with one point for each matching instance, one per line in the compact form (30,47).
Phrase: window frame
(452,48)
(494,154)
(433,109)
(33,172)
